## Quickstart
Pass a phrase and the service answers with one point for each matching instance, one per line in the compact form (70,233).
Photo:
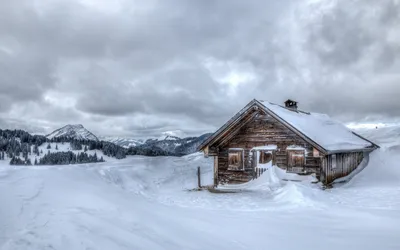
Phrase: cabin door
(296,161)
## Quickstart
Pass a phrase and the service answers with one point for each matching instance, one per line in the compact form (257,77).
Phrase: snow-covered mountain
(170,145)
(73,131)
(166,144)
(123,142)
(168,137)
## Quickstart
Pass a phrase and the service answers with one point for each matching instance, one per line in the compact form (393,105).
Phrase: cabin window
(315,152)
(296,160)
(334,161)
(236,160)
(265,157)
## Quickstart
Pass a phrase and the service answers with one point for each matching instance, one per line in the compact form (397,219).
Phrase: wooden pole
(215,171)
(198,177)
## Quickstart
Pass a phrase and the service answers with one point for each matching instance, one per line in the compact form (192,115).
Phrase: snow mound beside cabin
(273,178)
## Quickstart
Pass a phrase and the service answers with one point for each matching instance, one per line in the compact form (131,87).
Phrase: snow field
(145,203)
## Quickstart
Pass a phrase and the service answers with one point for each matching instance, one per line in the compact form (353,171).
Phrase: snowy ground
(144,203)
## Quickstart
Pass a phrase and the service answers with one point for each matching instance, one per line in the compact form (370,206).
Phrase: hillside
(386,136)
(17,147)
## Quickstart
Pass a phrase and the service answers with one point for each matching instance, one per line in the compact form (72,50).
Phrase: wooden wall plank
(262,130)
(346,164)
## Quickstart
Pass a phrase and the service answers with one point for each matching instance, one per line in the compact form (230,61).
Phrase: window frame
(241,159)
(296,152)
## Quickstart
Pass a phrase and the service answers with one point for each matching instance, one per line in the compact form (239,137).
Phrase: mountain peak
(73,126)
(75,131)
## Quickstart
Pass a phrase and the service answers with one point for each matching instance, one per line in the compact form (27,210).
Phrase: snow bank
(383,170)
(144,203)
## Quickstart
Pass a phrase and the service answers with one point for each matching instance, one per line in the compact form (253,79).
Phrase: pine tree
(56,147)
(48,146)
(36,149)
(86,149)
(36,162)
(28,162)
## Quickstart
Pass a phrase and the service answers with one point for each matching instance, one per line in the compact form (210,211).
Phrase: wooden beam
(215,171)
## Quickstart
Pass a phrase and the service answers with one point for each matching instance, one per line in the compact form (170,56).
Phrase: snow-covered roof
(322,132)
(328,133)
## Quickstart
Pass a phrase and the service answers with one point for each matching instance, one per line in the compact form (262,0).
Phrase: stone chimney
(290,104)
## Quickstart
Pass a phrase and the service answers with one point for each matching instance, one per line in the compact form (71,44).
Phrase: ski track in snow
(145,203)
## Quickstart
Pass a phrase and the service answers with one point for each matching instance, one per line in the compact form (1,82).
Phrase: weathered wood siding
(261,130)
(345,164)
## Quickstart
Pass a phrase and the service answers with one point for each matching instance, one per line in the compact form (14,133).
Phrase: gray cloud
(140,68)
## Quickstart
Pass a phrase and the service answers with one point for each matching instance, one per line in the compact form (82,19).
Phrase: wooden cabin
(296,141)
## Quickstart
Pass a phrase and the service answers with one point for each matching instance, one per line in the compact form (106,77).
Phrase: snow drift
(145,203)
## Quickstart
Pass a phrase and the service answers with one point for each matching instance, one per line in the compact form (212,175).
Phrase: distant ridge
(123,142)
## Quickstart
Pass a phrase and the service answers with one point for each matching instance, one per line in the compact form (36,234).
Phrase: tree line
(17,144)
(59,158)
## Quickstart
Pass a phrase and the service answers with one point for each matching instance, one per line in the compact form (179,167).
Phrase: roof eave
(373,144)
(342,151)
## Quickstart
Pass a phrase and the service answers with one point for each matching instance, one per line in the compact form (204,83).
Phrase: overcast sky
(140,68)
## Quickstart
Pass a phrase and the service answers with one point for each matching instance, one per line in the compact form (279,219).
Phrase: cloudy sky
(142,67)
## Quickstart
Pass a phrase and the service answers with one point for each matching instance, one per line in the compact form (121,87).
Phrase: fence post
(198,177)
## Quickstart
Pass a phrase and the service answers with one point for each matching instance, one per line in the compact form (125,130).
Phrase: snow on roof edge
(324,131)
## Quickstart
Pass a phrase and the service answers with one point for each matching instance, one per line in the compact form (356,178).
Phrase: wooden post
(215,171)
(198,177)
